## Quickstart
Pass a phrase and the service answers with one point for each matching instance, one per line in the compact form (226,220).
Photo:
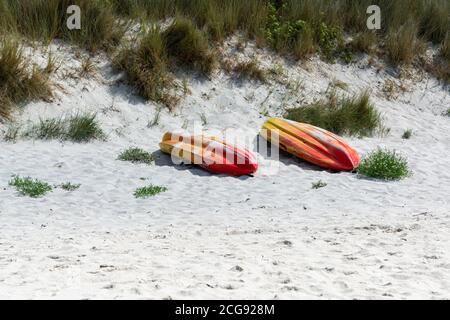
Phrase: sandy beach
(270,236)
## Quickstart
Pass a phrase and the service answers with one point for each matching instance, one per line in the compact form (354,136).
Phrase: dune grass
(136,155)
(46,20)
(149,191)
(30,187)
(19,81)
(78,127)
(355,116)
(188,46)
(250,70)
(146,67)
(384,165)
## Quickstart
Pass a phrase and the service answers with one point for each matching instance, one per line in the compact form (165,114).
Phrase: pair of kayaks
(309,143)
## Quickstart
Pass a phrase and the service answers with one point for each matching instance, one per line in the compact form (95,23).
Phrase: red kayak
(312,144)
(209,153)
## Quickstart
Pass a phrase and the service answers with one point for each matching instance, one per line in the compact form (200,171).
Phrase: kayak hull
(312,144)
(209,153)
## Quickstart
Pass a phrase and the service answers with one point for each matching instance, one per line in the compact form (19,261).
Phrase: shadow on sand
(164,160)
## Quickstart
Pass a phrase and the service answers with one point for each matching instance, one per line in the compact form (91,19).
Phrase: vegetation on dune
(146,67)
(187,46)
(136,155)
(30,187)
(47,19)
(19,81)
(250,70)
(79,127)
(384,165)
(149,191)
(342,115)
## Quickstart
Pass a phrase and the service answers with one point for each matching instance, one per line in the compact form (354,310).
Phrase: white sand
(271,236)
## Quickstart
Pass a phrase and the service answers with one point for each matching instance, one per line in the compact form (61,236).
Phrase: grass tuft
(149,191)
(188,46)
(355,116)
(407,134)
(84,128)
(68,186)
(402,45)
(250,70)
(19,81)
(136,155)
(30,187)
(384,165)
(80,127)
(319,184)
(146,67)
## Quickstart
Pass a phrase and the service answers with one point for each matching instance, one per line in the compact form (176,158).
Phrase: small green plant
(319,184)
(68,186)
(149,191)
(447,113)
(136,155)
(330,39)
(384,165)
(354,116)
(407,134)
(30,187)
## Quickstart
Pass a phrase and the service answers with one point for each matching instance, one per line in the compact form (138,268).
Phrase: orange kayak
(209,153)
(312,144)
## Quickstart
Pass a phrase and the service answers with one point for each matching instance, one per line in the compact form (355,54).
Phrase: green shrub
(30,187)
(136,155)
(330,39)
(149,191)
(385,165)
(342,115)
(188,46)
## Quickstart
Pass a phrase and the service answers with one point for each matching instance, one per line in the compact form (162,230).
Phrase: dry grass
(250,70)
(146,67)
(46,20)
(187,46)
(20,81)
(402,45)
